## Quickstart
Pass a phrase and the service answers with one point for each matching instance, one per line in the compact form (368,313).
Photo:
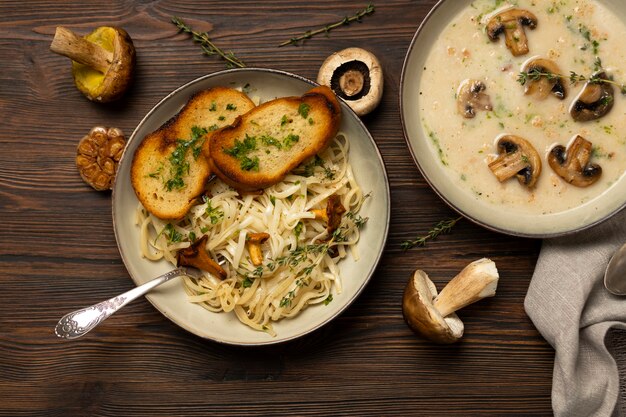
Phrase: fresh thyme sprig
(345,21)
(535,74)
(208,47)
(444,226)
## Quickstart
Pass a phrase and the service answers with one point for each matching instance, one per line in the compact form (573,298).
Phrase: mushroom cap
(422,317)
(572,164)
(471,96)
(511,21)
(97,156)
(594,101)
(542,87)
(356,76)
(517,157)
(111,85)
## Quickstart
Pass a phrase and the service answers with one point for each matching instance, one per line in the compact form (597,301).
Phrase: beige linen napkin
(569,305)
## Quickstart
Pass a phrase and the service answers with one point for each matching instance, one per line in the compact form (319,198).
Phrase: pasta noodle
(299,268)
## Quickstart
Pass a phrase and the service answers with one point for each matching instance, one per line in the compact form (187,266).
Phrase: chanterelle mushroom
(254,242)
(512,22)
(332,213)
(432,315)
(595,99)
(517,158)
(98,155)
(471,96)
(572,164)
(197,256)
(542,85)
(356,76)
(103,62)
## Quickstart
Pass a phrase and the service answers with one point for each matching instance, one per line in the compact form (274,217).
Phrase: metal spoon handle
(77,323)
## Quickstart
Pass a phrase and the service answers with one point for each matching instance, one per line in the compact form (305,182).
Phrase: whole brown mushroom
(356,76)
(433,315)
(103,62)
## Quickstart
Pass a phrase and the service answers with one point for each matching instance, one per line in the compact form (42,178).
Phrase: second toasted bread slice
(261,147)
(169,168)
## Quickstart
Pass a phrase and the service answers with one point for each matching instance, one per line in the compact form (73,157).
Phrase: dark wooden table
(58,250)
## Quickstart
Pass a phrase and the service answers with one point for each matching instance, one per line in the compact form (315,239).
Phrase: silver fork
(77,323)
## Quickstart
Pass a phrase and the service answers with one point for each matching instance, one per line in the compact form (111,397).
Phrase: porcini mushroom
(517,157)
(331,214)
(512,22)
(471,96)
(547,80)
(103,62)
(572,164)
(254,242)
(356,76)
(98,155)
(433,316)
(197,257)
(594,100)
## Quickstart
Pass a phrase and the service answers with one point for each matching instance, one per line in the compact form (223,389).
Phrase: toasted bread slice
(169,169)
(261,147)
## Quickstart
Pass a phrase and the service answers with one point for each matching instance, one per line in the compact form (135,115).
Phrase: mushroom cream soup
(579,36)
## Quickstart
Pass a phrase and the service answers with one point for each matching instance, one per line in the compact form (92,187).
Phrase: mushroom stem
(508,165)
(77,48)
(476,281)
(517,157)
(351,82)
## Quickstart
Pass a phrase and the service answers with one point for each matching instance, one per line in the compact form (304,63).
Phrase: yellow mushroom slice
(511,22)
(517,157)
(572,164)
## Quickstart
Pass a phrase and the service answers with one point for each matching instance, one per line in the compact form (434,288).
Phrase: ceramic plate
(171,299)
(448,183)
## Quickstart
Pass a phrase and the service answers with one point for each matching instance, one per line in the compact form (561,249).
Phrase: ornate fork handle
(77,323)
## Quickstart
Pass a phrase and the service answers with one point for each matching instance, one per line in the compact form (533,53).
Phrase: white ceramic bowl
(170,298)
(424,153)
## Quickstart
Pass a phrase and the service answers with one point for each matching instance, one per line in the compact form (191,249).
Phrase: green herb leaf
(303,110)
(290,140)
(172,235)
(179,165)
(207,46)
(444,226)
(249,164)
(327,28)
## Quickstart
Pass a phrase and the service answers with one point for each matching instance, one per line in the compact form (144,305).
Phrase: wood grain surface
(58,250)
